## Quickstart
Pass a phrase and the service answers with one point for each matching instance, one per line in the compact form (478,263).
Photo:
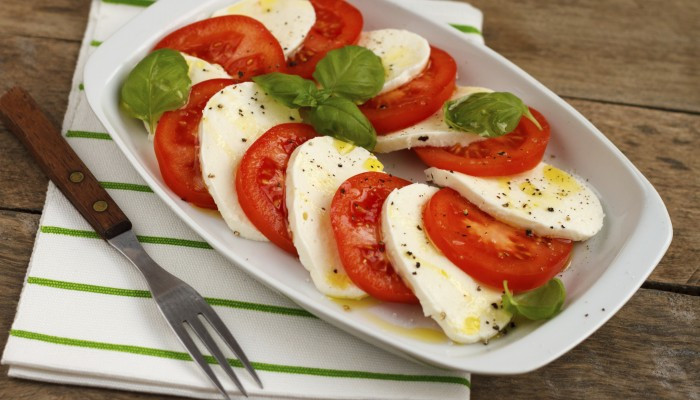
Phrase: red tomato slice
(240,44)
(177,145)
(356,222)
(416,100)
(337,24)
(260,180)
(516,152)
(488,250)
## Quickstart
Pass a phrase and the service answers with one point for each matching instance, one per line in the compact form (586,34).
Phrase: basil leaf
(158,83)
(341,119)
(541,303)
(353,72)
(291,90)
(487,114)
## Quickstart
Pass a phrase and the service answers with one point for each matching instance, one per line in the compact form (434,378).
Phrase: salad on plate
(271,112)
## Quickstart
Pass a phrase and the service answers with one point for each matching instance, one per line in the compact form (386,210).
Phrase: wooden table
(631,67)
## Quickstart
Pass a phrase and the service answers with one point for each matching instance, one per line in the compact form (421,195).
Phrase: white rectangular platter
(605,271)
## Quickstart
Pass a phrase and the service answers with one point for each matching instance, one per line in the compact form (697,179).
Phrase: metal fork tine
(208,341)
(197,357)
(225,334)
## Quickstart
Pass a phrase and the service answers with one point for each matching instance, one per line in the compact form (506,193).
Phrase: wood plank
(59,19)
(662,145)
(622,51)
(649,350)
(23,60)
(42,66)
(635,53)
(17,232)
(625,51)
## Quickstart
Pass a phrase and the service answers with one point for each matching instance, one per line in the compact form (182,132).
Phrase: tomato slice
(240,44)
(260,181)
(489,250)
(177,145)
(516,152)
(337,24)
(416,100)
(355,218)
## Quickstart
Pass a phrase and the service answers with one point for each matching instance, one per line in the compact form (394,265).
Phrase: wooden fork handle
(59,162)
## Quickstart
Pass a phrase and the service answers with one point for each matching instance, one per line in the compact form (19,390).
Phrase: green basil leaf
(487,114)
(158,83)
(340,118)
(541,303)
(291,90)
(353,72)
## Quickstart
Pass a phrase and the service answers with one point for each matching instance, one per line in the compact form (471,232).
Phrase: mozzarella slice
(545,200)
(465,310)
(231,121)
(404,54)
(315,171)
(432,131)
(200,70)
(289,21)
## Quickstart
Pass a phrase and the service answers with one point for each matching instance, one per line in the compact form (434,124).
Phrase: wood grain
(17,232)
(623,51)
(649,350)
(625,64)
(662,145)
(45,68)
(56,19)
(22,115)
(42,66)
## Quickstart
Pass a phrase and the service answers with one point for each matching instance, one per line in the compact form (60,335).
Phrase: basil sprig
(347,76)
(487,114)
(541,303)
(158,83)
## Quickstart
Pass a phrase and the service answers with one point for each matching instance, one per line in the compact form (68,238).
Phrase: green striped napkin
(85,316)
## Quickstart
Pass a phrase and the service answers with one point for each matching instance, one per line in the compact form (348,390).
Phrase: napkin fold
(85,316)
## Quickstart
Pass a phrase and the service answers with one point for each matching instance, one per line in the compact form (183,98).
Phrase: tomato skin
(489,250)
(416,100)
(176,145)
(337,24)
(356,221)
(260,181)
(516,152)
(240,44)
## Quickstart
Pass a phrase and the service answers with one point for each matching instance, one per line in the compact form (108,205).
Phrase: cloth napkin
(85,316)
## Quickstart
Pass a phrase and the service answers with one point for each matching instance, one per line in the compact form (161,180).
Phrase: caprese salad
(269,112)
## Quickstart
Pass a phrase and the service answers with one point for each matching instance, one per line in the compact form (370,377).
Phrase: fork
(179,303)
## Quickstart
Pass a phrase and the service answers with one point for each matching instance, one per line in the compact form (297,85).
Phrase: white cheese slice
(200,70)
(432,131)
(467,311)
(231,121)
(289,21)
(404,54)
(545,200)
(315,171)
